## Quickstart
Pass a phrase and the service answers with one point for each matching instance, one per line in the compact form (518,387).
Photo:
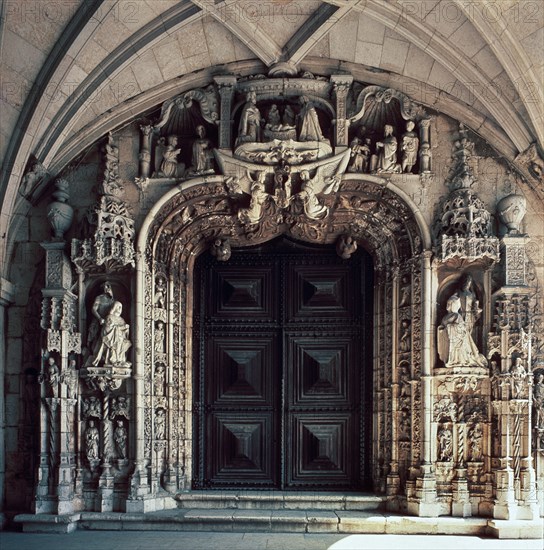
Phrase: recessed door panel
(281,362)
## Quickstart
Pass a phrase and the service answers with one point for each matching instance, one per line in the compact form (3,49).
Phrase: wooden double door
(283,369)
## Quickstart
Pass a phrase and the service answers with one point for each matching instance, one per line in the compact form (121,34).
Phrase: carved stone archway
(185,222)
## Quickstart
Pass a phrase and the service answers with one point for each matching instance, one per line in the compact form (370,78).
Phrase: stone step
(279,500)
(282,521)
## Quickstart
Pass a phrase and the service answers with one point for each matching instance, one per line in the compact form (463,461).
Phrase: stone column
(225,85)
(145,150)
(425,145)
(341,85)
(6,298)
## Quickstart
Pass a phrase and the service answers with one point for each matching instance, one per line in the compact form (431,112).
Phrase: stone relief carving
(346,246)
(120,437)
(91,407)
(34,174)
(445,445)
(221,250)
(160,424)
(120,406)
(409,147)
(249,128)
(475,438)
(159,295)
(511,211)
(169,163)
(387,152)
(202,157)
(532,161)
(51,377)
(309,128)
(518,380)
(360,155)
(405,342)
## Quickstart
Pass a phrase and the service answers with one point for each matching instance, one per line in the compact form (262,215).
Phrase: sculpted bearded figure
(387,152)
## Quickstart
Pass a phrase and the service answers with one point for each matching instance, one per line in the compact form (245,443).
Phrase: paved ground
(146,540)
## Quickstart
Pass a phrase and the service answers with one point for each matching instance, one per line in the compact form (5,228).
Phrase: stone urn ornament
(59,213)
(511,210)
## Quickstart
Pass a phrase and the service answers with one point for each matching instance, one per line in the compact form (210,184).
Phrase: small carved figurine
(69,377)
(538,401)
(159,337)
(259,196)
(160,424)
(120,439)
(405,343)
(360,155)
(91,441)
(101,307)
(158,381)
(309,128)
(160,293)
(445,445)
(387,152)
(409,147)
(91,408)
(249,129)
(518,375)
(475,436)
(202,153)
(169,164)
(120,406)
(51,377)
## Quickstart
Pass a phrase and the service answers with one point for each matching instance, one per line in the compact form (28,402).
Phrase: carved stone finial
(59,213)
(511,210)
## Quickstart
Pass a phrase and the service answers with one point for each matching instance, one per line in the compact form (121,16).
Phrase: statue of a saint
(91,441)
(445,445)
(518,376)
(469,304)
(387,152)
(51,377)
(360,155)
(288,118)
(308,122)
(405,343)
(169,164)
(538,401)
(273,120)
(249,129)
(160,424)
(409,146)
(101,307)
(120,439)
(202,153)
(455,344)
(113,343)
(475,436)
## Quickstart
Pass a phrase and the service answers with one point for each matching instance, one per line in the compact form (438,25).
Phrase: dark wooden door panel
(241,369)
(241,449)
(321,450)
(280,370)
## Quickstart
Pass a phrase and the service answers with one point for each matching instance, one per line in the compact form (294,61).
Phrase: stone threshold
(281,521)
(280,500)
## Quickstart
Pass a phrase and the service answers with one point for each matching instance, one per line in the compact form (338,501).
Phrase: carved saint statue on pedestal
(113,342)
(387,152)
(249,129)
(202,153)
(91,441)
(455,344)
(409,146)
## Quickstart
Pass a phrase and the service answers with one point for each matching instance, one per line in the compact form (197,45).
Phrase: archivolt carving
(196,217)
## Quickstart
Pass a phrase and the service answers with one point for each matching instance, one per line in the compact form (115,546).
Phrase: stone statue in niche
(445,445)
(273,119)
(101,307)
(387,152)
(259,196)
(91,408)
(409,147)
(159,379)
(120,406)
(51,377)
(470,306)
(311,187)
(475,437)
(160,293)
(69,378)
(91,441)
(113,343)
(249,129)
(202,153)
(221,250)
(404,291)
(518,376)
(405,336)
(159,337)
(160,424)
(169,164)
(120,439)
(288,118)
(360,155)
(308,122)
(346,246)
(538,401)
(456,347)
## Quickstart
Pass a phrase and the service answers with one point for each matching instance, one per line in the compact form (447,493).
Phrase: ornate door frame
(192,216)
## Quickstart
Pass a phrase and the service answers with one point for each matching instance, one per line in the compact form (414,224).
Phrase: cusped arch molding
(189,220)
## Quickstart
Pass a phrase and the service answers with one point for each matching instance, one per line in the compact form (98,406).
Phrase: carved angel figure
(259,196)
(311,187)
(455,344)
(91,407)
(120,406)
